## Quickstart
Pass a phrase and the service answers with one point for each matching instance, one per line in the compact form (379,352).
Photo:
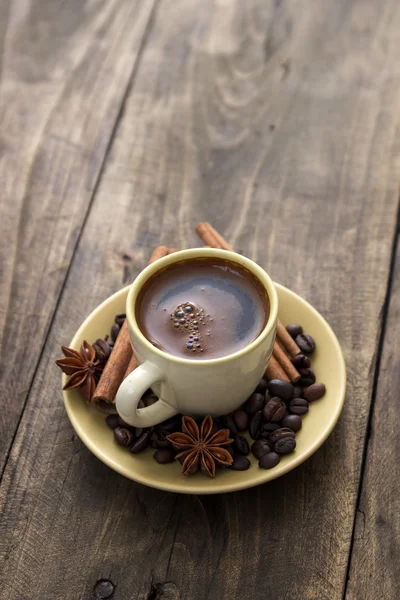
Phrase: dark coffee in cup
(204,308)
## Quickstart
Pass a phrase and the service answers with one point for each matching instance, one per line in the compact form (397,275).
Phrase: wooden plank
(65,70)
(374,561)
(281,127)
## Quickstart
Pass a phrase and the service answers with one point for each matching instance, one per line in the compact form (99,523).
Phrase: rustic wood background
(122,124)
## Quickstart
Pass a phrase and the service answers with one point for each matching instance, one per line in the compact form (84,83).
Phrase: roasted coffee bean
(141,443)
(268,461)
(259,448)
(301,361)
(164,456)
(159,440)
(172,425)
(280,434)
(227,422)
(241,445)
(286,412)
(149,399)
(262,386)
(230,450)
(307,377)
(119,319)
(294,330)
(306,343)
(102,349)
(115,329)
(274,410)
(314,392)
(297,391)
(112,421)
(138,431)
(123,436)
(240,463)
(285,445)
(268,428)
(241,419)
(293,422)
(281,388)
(255,425)
(298,406)
(254,403)
(123,423)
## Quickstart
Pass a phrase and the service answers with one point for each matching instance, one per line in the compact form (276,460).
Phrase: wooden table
(122,124)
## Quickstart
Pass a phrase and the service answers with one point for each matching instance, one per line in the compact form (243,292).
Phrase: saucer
(327,361)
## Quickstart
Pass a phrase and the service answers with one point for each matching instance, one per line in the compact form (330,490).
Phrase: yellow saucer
(329,366)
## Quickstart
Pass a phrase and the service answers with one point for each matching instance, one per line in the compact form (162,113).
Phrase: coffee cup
(184,385)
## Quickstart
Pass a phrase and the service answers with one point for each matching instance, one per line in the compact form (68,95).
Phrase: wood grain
(374,562)
(65,67)
(279,126)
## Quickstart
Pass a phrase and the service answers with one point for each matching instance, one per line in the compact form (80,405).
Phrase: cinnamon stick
(224,244)
(274,370)
(121,358)
(286,341)
(115,368)
(158,252)
(106,407)
(286,363)
(131,366)
(211,237)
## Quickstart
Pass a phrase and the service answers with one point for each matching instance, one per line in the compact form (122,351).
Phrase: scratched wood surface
(64,70)
(374,561)
(280,125)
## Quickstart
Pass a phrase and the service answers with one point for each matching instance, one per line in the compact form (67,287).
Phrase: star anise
(201,448)
(83,368)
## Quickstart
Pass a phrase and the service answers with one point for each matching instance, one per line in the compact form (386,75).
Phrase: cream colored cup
(193,387)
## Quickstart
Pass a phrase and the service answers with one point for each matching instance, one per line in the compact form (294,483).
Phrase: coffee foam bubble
(187,319)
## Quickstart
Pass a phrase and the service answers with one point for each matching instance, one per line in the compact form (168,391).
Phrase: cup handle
(132,389)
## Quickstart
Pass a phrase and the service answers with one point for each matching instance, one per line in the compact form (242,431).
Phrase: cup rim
(193,253)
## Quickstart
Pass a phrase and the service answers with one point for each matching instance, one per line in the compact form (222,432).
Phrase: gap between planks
(130,83)
(381,341)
